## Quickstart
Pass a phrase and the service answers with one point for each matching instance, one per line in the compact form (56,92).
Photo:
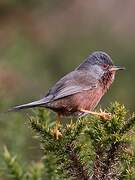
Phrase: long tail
(30,105)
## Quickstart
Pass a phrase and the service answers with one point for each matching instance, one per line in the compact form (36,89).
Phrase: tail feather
(29,105)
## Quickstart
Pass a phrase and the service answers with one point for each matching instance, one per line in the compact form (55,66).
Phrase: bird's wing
(72,83)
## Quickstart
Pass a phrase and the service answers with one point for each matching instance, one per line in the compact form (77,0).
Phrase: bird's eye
(105,66)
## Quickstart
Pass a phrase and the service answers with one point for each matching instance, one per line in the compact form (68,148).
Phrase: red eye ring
(105,66)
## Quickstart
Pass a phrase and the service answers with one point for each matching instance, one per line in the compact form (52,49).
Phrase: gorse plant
(90,148)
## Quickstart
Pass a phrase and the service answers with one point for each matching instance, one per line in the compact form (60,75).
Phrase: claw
(104,115)
(56,133)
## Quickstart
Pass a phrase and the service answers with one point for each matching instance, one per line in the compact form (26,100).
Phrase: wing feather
(74,82)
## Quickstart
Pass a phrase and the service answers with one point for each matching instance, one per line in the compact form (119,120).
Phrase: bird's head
(99,63)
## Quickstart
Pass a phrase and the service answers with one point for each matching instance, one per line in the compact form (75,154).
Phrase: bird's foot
(56,133)
(104,115)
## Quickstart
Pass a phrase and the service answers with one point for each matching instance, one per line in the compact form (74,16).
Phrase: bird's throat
(107,79)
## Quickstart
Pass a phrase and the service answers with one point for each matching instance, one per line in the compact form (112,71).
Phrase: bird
(79,92)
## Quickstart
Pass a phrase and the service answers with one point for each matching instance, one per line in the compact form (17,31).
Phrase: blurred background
(40,41)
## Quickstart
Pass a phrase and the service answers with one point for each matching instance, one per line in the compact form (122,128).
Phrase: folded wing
(72,83)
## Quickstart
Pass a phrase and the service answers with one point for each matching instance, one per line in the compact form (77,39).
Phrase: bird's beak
(116,68)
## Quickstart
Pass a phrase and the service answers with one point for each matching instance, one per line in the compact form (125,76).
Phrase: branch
(76,168)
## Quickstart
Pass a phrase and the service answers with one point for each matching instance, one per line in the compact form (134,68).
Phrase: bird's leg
(104,115)
(56,133)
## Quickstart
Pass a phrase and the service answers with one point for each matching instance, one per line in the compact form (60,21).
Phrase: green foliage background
(43,40)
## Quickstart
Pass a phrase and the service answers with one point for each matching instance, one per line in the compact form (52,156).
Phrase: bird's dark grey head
(100,58)
(98,63)
(97,58)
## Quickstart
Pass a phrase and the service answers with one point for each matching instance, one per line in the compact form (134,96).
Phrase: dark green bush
(90,148)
